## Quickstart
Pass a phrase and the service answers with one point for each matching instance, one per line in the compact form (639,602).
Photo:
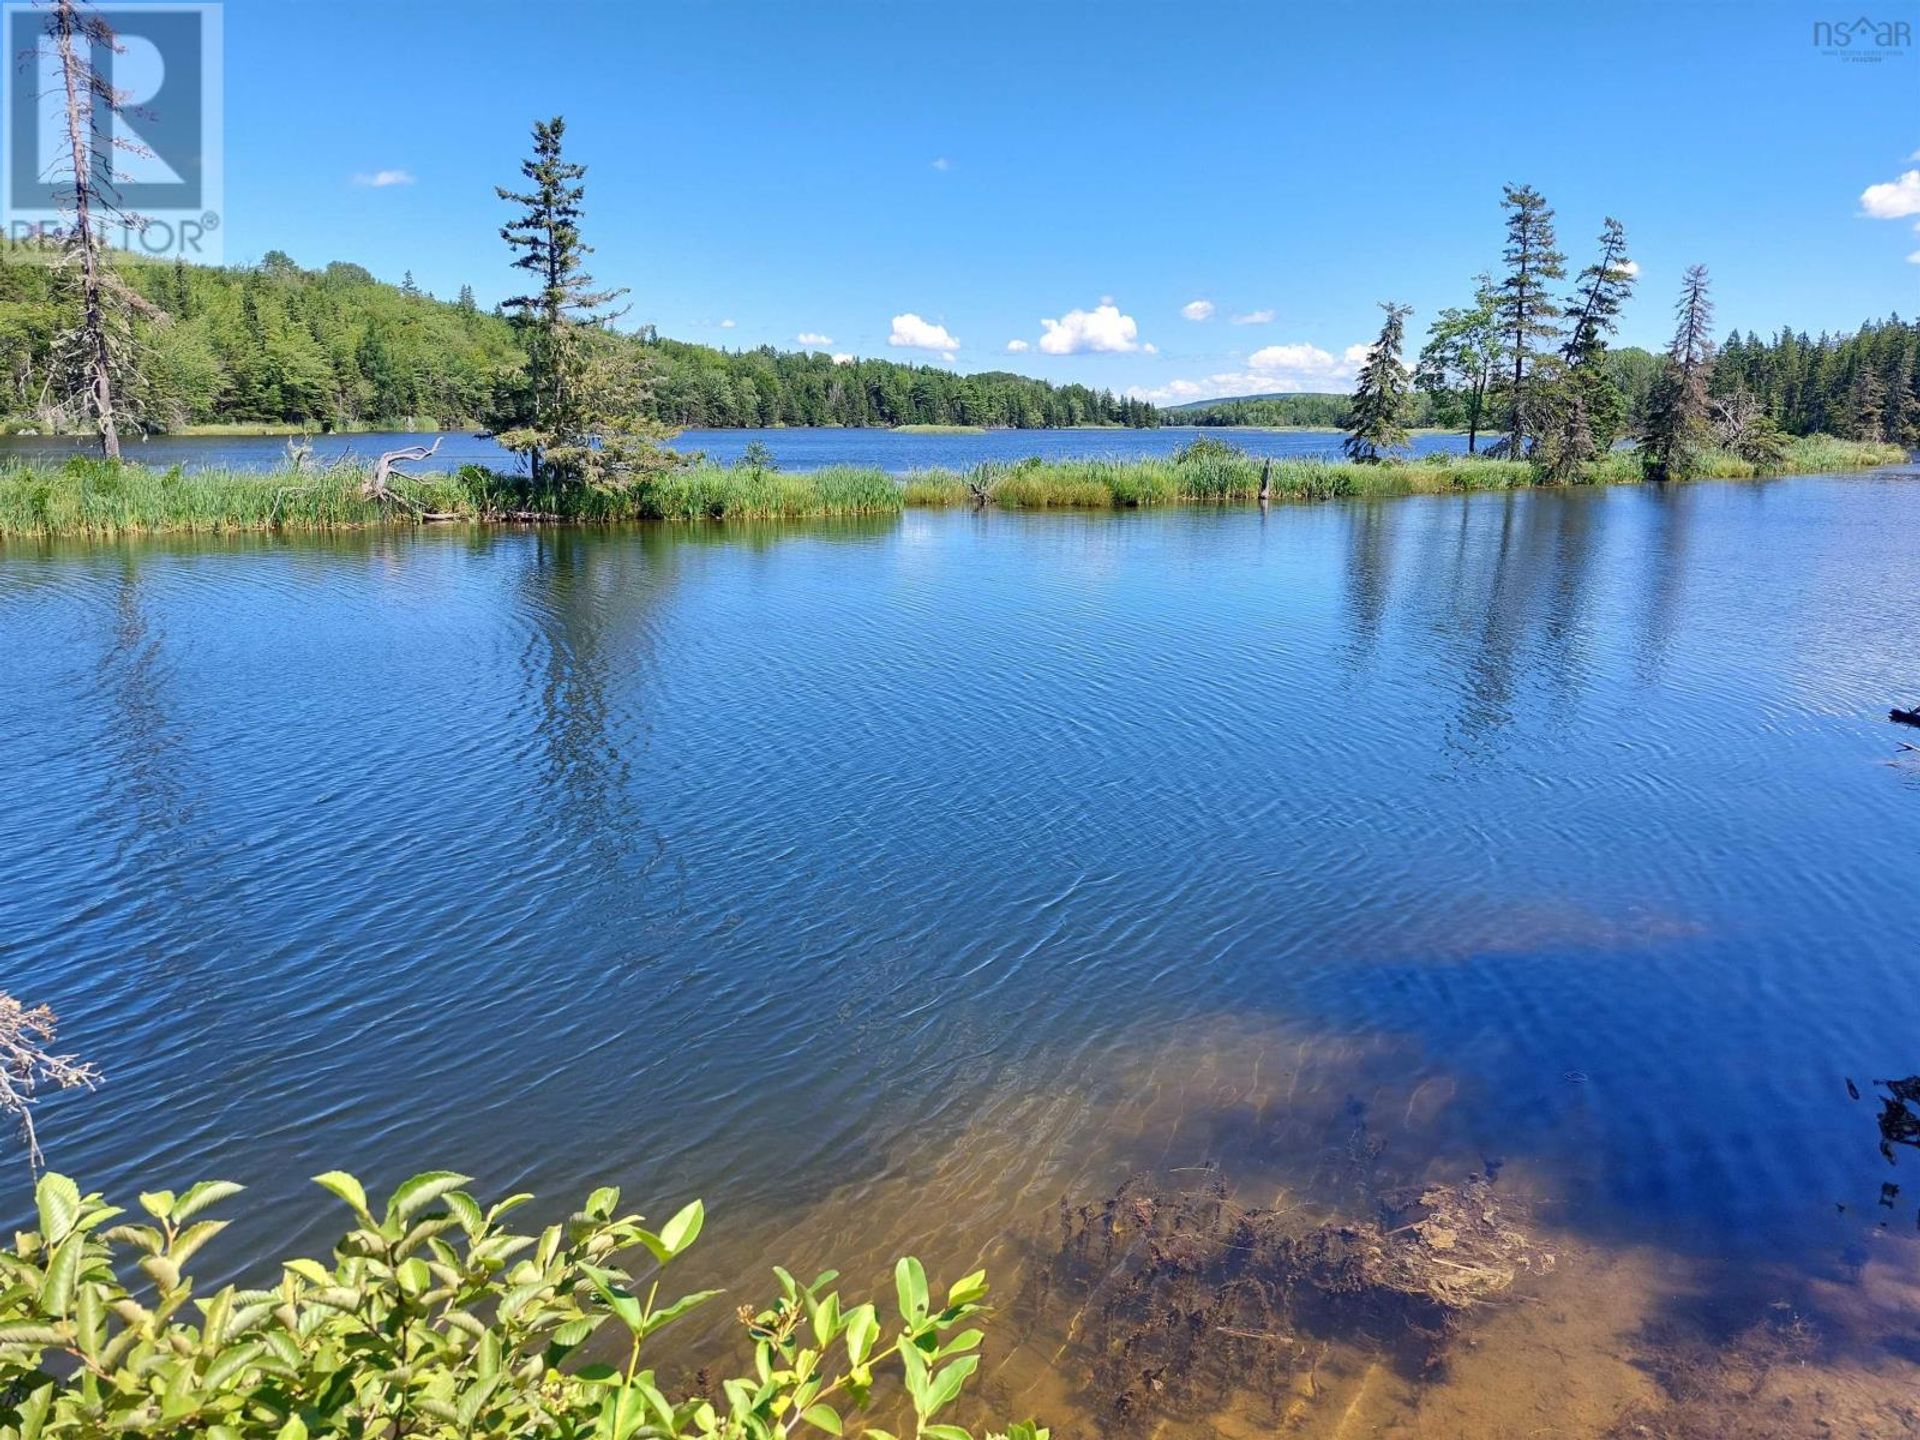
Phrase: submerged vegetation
(90,497)
(433,1319)
(1183,1297)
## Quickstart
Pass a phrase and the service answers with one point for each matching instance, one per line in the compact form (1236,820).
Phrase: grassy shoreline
(90,498)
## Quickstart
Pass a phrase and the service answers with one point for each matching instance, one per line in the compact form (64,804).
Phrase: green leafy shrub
(436,1322)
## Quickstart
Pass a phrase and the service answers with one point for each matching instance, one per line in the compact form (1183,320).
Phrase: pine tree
(465,302)
(1377,420)
(1603,288)
(1677,410)
(1866,405)
(1525,308)
(578,417)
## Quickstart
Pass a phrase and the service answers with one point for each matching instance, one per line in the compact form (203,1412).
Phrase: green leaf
(350,1190)
(913,1367)
(947,1383)
(33,1413)
(662,1318)
(56,1288)
(619,1300)
(31,1332)
(822,1417)
(157,1203)
(863,1325)
(967,1290)
(683,1229)
(311,1270)
(294,1429)
(207,1192)
(466,1210)
(58,1199)
(945,1432)
(910,1281)
(421,1191)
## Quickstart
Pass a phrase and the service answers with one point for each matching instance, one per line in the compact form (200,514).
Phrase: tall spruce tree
(578,417)
(1677,408)
(1377,420)
(1525,307)
(1600,291)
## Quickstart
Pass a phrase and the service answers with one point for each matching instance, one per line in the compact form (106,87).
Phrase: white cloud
(1269,370)
(1197,310)
(726,324)
(1914,258)
(1254,317)
(941,162)
(814,338)
(1151,348)
(381,179)
(1018,347)
(843,359)
(913,333)
(1632,267)
(1102,329)
(1893,200)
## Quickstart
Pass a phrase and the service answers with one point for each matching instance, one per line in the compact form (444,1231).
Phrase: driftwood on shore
(377,487)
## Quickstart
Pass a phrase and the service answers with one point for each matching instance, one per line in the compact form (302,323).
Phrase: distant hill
(1192,405)
(1297,407)
(277,344)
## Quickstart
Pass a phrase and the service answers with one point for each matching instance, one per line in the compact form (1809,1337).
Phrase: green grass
(939,429)
(89,497)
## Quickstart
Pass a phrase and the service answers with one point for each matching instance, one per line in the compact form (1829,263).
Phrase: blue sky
(959,175)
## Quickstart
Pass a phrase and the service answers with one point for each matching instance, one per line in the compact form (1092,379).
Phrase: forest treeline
(277,344)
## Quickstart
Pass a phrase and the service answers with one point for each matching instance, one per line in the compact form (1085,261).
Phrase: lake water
(793,449)
(888,883)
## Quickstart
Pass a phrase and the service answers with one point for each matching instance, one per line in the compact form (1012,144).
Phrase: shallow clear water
(793,449)
(886,882)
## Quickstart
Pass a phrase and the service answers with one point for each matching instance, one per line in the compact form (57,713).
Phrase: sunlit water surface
(886,883)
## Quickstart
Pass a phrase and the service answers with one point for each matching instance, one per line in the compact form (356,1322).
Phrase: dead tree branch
(27,1064)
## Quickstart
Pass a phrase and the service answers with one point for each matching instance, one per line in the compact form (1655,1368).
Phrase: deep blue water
(884,882)
(793,449)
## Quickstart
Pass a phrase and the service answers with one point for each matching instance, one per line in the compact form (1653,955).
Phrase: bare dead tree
(95,355)
(376,486)
(27,1063)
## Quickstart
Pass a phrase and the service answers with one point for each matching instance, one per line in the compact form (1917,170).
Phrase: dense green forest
(274,343)
(1322,410)
(1863,386)
(277,344)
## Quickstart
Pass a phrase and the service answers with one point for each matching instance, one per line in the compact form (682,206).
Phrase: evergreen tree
(1677,409)
(578,419)
(1377,421)
(1525,307)
(465,302)
(1603,288)
(1866,406)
